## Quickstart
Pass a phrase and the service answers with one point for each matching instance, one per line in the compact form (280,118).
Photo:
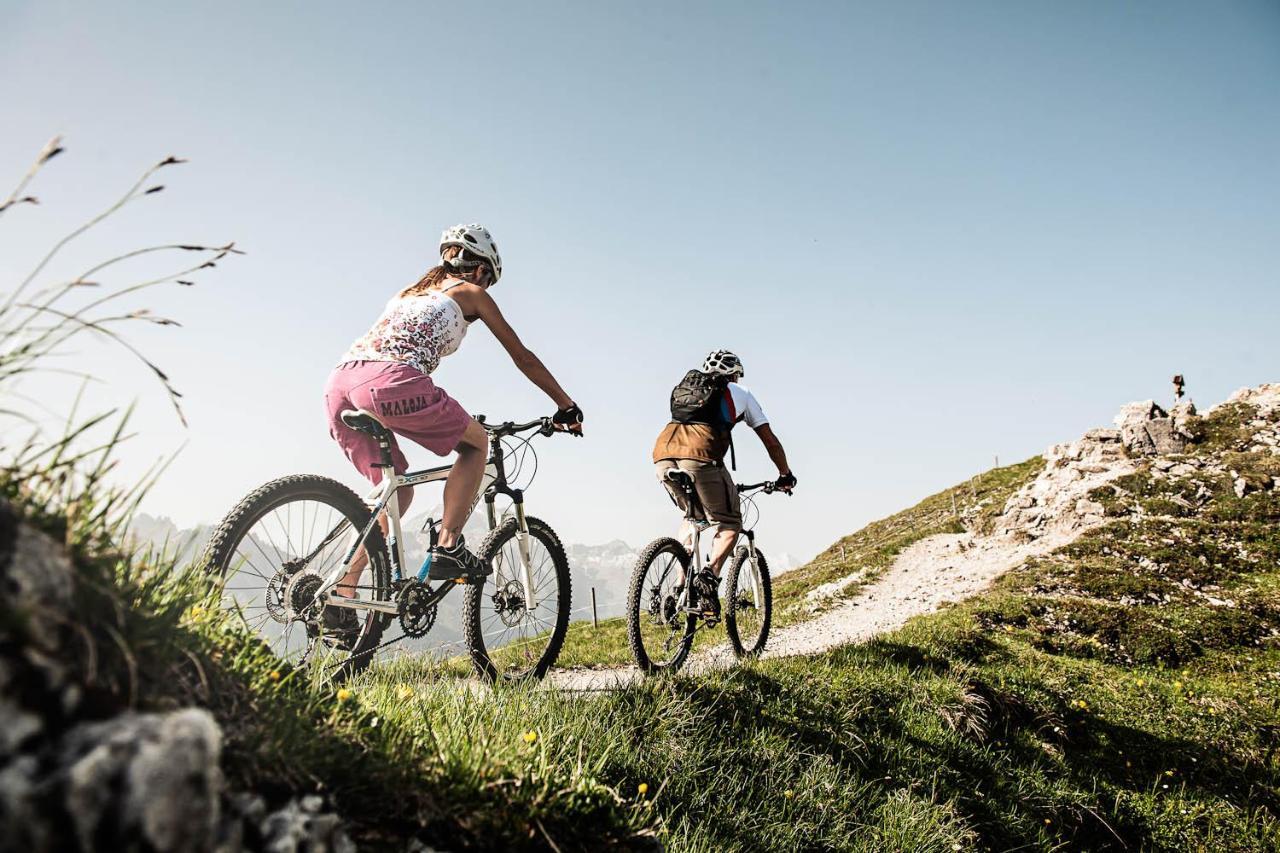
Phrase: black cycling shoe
(708,586)
(341,624)
(450,564)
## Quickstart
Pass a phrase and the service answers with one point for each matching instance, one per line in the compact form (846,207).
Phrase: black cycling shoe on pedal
(450,564)
(341,624)
(708,594)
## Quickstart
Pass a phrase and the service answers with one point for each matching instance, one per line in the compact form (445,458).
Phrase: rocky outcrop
(131,781)
(1058,499)
(1265,399)
(1148,430)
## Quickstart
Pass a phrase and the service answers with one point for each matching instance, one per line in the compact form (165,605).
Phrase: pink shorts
(404,399)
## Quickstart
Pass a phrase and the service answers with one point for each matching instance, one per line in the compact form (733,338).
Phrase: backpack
(697,399)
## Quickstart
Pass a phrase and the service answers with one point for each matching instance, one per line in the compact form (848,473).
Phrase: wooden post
(595,620)
(954,511)
(997,460)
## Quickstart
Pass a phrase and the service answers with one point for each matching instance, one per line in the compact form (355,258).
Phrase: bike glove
(568,417)
(786,481)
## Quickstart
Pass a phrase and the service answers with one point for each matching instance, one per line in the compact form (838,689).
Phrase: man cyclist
(705,406)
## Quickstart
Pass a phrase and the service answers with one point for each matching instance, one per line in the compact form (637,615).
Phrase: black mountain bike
(284,548)
(663,607)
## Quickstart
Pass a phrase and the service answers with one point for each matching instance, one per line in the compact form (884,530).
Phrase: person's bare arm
(774,448)
(480,304)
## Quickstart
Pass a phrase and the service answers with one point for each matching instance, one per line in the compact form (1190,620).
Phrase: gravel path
(926,576)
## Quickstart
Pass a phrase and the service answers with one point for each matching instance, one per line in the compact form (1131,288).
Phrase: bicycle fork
(523,547)
(753,570)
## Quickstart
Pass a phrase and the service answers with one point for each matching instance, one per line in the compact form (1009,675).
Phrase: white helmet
(477,240)
(724,363)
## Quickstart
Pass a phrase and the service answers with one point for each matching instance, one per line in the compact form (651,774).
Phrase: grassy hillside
(1120,694)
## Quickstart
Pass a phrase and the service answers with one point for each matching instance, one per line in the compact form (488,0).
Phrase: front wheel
(511,639)
(659,627)
(748,608)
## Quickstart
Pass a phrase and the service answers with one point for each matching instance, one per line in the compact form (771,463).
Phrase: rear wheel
(273,552)
(748,604)
(510,640)
(658,628)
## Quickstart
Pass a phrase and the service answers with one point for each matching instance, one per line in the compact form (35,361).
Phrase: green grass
(1102,697)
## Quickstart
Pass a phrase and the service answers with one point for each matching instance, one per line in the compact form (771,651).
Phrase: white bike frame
(385,498)
(696,529)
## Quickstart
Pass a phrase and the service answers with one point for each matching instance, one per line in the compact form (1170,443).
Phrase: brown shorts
(716,490)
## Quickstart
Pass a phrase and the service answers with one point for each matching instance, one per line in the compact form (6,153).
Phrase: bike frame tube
(384,497)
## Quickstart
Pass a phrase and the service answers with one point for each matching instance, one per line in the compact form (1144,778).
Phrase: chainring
(417,611)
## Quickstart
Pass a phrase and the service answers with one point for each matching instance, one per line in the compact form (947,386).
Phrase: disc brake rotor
(509,603)
(277,591)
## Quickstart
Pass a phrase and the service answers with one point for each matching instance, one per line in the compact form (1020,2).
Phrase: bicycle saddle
(359,419)
(682,479)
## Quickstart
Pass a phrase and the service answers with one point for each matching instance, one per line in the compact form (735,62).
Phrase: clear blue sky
(935,232)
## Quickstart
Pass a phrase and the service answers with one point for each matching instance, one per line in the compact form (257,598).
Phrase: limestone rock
(1058,499)
(37,577)
(150,779)
(1132,422)
(135,781)
(303,827)
(1182,415)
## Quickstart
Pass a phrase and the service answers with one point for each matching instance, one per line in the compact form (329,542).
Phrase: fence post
(954,511)
(595,620)
(997,460)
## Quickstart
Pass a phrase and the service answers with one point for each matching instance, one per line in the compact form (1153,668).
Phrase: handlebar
(542,425)
(768,486)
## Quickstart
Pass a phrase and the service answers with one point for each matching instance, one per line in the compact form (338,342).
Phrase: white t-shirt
(746,407)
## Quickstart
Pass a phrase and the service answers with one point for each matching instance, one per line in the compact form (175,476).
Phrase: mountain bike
(282,551)
(663,607)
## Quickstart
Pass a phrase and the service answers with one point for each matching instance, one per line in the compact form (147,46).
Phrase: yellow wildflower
(1177,685)
(1141,682)
(404,693)
(274,675)
(343,694)
(531,736)
(196,612)
(789,794)
(643,788)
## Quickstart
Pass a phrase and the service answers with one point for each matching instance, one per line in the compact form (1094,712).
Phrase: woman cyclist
(387,372)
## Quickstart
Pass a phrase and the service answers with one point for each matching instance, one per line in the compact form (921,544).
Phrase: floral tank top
(414,330)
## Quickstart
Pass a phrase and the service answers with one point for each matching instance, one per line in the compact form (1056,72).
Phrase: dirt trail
(927,575)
